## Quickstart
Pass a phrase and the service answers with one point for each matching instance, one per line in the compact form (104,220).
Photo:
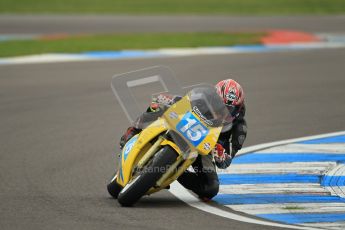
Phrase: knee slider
(211,190)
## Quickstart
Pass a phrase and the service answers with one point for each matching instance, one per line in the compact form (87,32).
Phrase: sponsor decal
(165,99)
(231,96)
(207,146)
(192,129)
(121,174)
(202,117)
(128,147)
(173,115)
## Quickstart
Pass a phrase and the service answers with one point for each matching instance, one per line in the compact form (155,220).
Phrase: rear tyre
(114,188)
(134,190)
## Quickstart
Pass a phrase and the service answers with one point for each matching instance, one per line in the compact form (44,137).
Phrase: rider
(204,180)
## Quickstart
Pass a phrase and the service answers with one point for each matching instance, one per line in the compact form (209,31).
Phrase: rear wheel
(148,177)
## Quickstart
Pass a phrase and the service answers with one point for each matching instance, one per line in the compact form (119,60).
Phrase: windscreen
(208,105)
(136,89)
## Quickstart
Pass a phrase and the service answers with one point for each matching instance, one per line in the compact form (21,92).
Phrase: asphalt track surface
(59,124)
(45,24)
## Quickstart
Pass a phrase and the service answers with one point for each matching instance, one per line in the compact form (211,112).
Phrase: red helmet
(232,94)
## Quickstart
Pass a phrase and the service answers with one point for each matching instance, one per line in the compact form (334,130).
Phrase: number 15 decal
(192,129)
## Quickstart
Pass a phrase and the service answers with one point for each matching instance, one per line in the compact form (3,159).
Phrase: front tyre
(134,190)
(114,188)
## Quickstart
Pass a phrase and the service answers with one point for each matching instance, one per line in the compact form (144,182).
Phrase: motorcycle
(151,160)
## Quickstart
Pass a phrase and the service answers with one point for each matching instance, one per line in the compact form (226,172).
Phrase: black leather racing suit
(204,180)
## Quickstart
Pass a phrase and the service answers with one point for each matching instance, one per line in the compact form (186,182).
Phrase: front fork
(150,152)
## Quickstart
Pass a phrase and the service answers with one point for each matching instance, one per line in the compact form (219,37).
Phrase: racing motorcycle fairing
(191,126)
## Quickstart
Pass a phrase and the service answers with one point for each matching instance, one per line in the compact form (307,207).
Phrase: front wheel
(148,177)
(114,188)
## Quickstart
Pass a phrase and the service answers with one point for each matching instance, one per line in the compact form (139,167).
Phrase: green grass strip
(125,41)
(243,7)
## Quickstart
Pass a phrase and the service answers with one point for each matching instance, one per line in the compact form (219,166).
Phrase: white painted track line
(289,208)
(337,189)
(181,193)
(172,52)
(302,148)
(278,188)
(330,226)
(314,168)
(259,147)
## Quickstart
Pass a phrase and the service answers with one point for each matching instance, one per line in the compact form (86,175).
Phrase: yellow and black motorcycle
(157,156)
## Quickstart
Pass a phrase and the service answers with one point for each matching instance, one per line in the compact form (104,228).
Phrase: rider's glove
(154,106)
(219,153)
(131,131)
(122,141)
(221,158)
